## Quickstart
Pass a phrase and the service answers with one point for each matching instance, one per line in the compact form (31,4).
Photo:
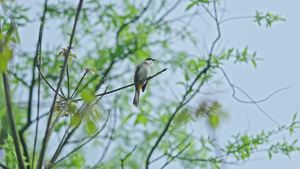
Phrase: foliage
(110,39)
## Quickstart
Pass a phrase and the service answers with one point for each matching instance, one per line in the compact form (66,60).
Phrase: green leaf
(254,63)
(141,119)
(87,96)
(214,120)
(91,127)
(5,56)
(190,6)
(75,119)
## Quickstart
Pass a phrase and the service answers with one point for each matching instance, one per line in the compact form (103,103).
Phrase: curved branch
(247,95)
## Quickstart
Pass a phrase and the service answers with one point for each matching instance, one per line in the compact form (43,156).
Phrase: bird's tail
(136,98)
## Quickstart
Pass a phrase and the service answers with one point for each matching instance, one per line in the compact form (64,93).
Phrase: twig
(77,148)
(168,11)
(40,71)
(236,18)
(124,87)
(79,83)
(173,157)
(18,78)
(251,100)
(47,135)
(60,146)
(218,28)
(110,139)
(68,79)
(12,122)
(123,159)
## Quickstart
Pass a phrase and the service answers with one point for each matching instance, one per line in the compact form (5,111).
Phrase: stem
(12,123)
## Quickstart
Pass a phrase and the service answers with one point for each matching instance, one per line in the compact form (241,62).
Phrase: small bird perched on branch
(142,72)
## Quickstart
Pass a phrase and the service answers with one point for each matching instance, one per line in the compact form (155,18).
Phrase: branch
(252,101)
(110,139)
(180,105)
(47,134)
(123,159)
(2,165)
(12,123)
(39,82)
(173,157)
(79,83)
(77,148)
(124,87)
(219,32)
(235,18)
(58,150)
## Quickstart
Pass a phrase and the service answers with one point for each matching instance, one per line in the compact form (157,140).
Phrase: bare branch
(236,18)
(110,139)
(60,146)
(47,135)
(79,83)
(251,100)
(39,81)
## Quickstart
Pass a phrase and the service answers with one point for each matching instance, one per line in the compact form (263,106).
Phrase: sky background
(278,46)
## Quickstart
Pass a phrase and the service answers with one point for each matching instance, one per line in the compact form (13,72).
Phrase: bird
(142,72)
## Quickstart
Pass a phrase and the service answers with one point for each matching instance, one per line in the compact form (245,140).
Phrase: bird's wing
(144,87)
(136,75)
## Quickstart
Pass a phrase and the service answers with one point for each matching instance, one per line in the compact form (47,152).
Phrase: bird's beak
(154,59)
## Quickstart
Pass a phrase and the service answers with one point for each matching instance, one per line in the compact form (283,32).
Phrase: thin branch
(77,148)
(40,71)
(18,78)
(236,18)
(168,11)
(180,105)
(110,139)
(124,87)
(12,123)
(173,149)
(79,83)
(58,150)
(68,79)
(173,157)
(47,135)
(2,165)
(219,32)
(123,159)
(39,82)
(251,100)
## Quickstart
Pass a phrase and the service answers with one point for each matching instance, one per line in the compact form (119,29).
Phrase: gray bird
(142,72)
